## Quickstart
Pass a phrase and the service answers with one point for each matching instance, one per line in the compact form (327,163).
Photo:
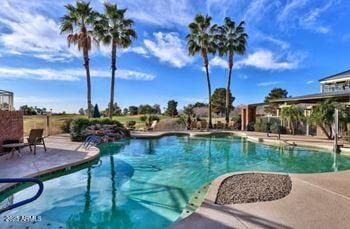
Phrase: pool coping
(244,134)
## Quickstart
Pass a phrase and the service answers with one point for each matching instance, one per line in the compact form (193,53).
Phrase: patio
(61,153)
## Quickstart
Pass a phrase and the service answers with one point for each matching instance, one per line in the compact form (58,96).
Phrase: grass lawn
(39,121)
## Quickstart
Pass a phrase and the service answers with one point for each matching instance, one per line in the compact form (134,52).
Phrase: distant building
(336,87)
(6,100)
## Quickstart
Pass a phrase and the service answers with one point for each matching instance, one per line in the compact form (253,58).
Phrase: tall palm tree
(201,40)
(233,40)
(116,30)
(78,23)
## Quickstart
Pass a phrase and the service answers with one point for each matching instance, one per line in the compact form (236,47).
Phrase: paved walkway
(61,153)
(316,201)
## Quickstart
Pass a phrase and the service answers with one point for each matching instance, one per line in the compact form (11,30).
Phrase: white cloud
(168,48)
(307,16)
(68,74)
(310,82)
(138,50)
(266,84)
(266,60)
(218,62)
(290,8)
(310,20)
(162,13)
(242,76)
(32,33)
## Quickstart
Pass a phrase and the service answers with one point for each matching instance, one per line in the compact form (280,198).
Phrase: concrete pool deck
(61,153)
(319,200)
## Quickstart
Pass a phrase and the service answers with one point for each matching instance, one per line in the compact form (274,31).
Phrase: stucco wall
(11,125)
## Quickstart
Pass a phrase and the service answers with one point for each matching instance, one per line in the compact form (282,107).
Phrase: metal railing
(26,201)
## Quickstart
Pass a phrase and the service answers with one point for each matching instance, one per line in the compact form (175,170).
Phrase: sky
(292,44)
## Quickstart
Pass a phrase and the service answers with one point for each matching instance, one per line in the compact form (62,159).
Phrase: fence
(52,124)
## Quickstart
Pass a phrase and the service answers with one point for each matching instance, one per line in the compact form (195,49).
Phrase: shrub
(237,122)
(131,124)
(250,126)
(278,128)
(78,126)
(149,119)
(66,125)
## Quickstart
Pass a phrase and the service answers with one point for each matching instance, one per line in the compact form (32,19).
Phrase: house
(335,87)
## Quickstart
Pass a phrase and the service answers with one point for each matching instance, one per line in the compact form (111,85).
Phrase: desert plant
(148,119)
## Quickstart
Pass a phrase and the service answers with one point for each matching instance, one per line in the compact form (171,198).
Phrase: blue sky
(291,45)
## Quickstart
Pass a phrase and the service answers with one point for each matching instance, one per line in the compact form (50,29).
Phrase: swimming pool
(146,183)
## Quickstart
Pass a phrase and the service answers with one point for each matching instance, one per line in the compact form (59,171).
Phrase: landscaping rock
(253,187)
(108,133)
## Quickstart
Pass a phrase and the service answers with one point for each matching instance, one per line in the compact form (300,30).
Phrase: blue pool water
(146,183)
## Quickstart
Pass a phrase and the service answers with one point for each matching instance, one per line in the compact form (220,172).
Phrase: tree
(188,111)
(200,104)
(323,116)
(125,111)
(96,113)
(276,93)
(201,40)
(27,110)
(133,110)
(218,101)
(81,111)
(116,110)
(171,110)
(146,109)
(117,31)
(79,24)
(156,108)
(232,41)
(292,114)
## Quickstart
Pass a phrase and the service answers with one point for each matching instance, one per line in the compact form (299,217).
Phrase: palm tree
(293,115)
(116,30)
(201,39)
(233,40)
(78,23)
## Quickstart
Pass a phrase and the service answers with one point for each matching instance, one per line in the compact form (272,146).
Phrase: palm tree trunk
(210,124)
(206,65)
(88,80)
(114,60)
(227,107)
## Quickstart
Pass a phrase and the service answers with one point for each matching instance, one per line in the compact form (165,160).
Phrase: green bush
(66,125)
(250,126)
(149,119)
(78,126)
(131,124)
(237,122)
